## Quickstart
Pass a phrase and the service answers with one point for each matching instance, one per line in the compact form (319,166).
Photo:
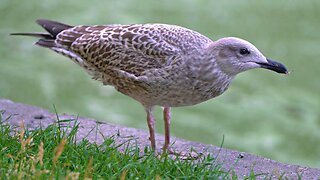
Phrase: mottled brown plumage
(156,64)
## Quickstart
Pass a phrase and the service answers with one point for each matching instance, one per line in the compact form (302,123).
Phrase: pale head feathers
(235,55)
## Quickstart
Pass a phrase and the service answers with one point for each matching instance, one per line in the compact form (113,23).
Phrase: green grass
(262,113)
(54,153)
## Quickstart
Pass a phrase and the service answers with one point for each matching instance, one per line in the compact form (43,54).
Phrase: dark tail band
(53,27)
(36,34)
(47,39)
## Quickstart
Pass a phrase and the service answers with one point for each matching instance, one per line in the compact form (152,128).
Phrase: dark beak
(274,66)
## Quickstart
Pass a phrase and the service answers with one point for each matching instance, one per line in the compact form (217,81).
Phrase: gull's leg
(166,146)
(166,117)
(151,123)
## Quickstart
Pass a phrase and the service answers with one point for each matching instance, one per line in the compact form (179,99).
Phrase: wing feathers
(131,48)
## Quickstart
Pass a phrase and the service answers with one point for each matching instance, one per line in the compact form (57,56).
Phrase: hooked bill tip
(274,66)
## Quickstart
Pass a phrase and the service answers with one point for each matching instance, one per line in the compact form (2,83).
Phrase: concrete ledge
(35,117)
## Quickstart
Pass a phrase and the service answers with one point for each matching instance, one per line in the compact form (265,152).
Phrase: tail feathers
(53,27)
(47,39)
(49,43)
(38,35)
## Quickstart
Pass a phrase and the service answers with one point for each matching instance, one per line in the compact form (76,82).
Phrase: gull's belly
(181,94)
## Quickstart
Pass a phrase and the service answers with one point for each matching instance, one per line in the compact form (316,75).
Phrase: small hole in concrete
(240,156)
(39,116)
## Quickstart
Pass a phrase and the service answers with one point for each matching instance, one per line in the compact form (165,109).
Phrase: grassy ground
(53,153)
(262,113)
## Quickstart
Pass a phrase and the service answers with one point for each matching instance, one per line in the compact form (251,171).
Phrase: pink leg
(166,117)
(151,122)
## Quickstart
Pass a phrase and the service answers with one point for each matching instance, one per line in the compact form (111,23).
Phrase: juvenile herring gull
(155,64)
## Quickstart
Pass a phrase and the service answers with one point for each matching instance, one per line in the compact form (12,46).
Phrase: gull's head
(235,55)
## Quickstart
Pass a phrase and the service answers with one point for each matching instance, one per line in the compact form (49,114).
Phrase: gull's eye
(244,51)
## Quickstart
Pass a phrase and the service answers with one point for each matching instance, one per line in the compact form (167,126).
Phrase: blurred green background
(263,113)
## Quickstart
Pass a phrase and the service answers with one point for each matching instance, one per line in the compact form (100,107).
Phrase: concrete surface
(35,117)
